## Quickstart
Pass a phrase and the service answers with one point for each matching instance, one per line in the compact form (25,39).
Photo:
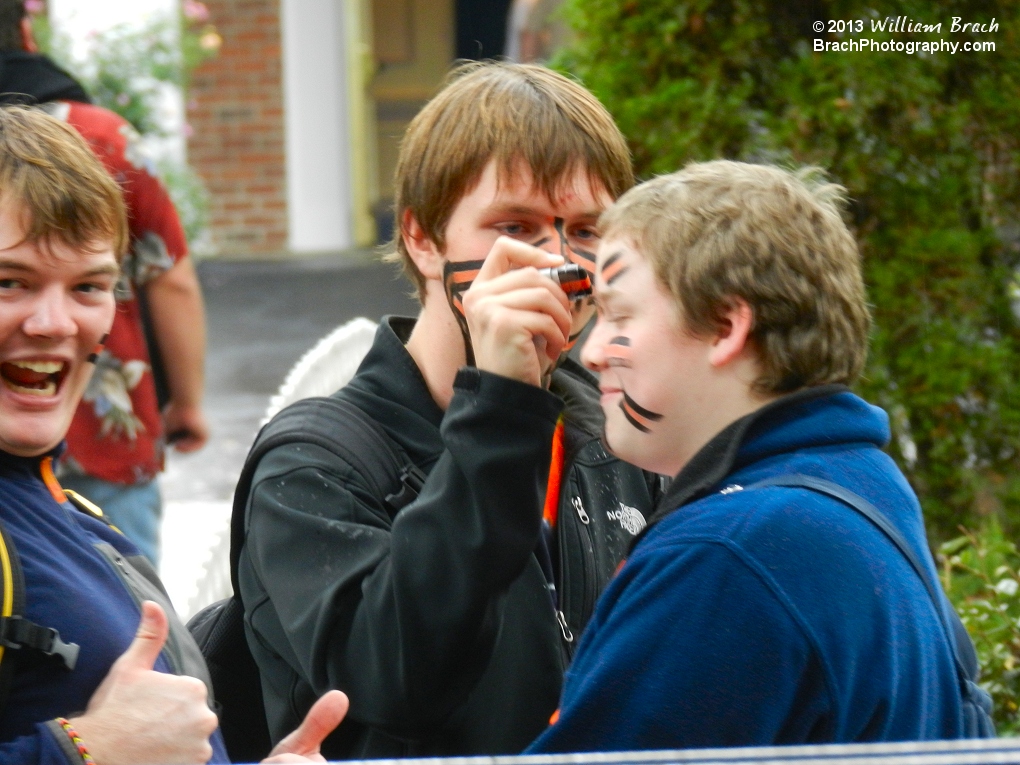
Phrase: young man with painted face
(449,622)
(121,699)
(731,317)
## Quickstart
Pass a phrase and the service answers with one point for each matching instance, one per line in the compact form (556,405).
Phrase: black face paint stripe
(611,260)
(564,246)
(632,421)
(540,242)
(464,265)
(582,258)
(640,410)
(620,340)
(617,275)
(613,268)
(454,292)
(572,340)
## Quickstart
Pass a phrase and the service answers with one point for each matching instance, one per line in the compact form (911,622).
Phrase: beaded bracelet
(76,740)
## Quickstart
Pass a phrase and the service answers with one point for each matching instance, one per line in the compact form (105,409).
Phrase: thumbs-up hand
(302,745)
(140,715)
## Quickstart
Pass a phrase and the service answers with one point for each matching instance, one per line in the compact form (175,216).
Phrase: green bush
(981,575)
(928,146)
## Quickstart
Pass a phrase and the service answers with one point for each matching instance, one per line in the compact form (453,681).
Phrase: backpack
(977,704)
(17,633)
(339,427)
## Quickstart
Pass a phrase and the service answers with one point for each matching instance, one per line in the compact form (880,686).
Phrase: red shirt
(117,432)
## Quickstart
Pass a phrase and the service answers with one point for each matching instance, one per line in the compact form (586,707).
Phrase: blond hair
(64,190)
(722,230)
(509,114)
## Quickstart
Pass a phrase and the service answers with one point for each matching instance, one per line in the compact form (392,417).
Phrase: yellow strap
(8,574)
(83,504)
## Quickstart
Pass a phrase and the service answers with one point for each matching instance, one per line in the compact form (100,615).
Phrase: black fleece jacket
(437,621)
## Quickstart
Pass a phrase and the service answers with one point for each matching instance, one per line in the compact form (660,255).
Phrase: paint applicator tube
(571,278)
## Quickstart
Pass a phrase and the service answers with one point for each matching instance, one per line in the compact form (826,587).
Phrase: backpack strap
(16,632)
(345,430)
(964,655)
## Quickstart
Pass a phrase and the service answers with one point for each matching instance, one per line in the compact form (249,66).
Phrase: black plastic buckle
(411,482)
(17,632)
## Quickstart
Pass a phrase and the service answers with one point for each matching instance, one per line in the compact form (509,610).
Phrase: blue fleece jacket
(770,615)
(71,587)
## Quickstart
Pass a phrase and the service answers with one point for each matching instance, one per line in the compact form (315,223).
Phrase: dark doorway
(481,28)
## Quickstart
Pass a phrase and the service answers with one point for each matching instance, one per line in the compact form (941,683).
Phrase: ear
(28,43)
(732,336)
(420,247)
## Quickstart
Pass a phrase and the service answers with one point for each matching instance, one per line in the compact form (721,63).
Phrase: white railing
(977,752)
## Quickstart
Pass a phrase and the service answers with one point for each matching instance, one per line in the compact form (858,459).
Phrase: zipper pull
(576,502)
(562,620)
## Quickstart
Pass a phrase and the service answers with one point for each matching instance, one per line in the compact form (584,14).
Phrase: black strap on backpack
(339,427)
(977,704)
(346,431)
(19,637)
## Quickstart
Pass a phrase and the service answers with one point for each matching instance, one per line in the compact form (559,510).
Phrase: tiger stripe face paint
(510,204)
(618,352)
(613,268)
(573,253)
(655,378)
(457,279)
(637,415)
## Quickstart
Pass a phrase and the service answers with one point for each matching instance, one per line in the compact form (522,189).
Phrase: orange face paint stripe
(459,277)
(613,271)
(633,419)
(585,260)
(637,415)
(618,353)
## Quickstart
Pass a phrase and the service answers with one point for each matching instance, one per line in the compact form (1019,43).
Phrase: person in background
(96,667)
(117,439)
(757,607)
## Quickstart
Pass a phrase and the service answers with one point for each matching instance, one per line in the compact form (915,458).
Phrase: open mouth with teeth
(35,378)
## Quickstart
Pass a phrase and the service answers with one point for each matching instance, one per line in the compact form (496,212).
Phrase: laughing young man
(449,621)
(83,670)
(731,318)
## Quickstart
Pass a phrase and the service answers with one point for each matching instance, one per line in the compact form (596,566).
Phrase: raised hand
(303,744)
(139,715)
(519,319)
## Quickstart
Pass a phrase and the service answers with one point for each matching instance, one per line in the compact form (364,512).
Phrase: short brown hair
(66,193)
(509,113)
(776,239)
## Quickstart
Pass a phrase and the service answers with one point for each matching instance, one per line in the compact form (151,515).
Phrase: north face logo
(631,520)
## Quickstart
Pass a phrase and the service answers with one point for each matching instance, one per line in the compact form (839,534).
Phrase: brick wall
(235,110)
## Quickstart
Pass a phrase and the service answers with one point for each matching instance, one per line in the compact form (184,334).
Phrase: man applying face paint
(462,609)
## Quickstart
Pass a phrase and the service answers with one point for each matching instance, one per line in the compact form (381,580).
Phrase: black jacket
(438,622)
(31,78)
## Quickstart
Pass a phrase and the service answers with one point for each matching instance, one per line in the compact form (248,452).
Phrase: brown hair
(507,113)
(66,193)
(776,239)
